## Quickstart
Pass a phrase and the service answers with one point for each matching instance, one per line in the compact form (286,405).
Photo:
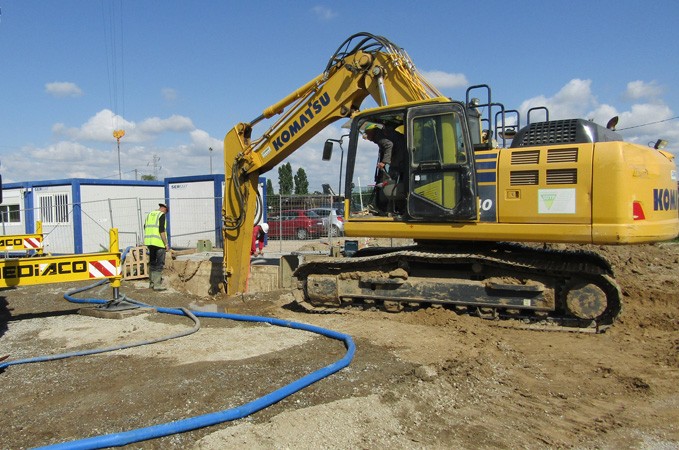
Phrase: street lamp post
(210,160)
(118,134)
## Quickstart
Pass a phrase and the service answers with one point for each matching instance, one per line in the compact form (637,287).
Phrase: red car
(296,224)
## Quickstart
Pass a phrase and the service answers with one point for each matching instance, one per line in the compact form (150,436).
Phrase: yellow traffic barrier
(63,269)
(23,242)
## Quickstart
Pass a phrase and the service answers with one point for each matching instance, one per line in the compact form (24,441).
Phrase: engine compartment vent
(562,176)
(524,177)
(562,155)
(528,157)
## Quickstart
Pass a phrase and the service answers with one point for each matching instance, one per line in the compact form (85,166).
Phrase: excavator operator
(389,167)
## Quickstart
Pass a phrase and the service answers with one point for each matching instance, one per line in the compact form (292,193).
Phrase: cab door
(442,183)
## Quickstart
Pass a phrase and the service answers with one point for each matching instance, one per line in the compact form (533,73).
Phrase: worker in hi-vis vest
(155,238)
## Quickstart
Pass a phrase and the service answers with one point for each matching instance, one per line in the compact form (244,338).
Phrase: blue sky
(178,75)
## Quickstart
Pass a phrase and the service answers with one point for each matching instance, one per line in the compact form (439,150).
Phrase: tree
(149,177)
(285,179)
(301,182)
(269,188)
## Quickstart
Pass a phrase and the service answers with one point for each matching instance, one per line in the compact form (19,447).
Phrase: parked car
(297,224)
(332,220)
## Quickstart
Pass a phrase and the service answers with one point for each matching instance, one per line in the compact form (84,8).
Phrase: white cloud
(63,89)
(99,128)
(169,94)
(156,125)
(62,151)
(575,99)
(201,140)
(637,90)
(91,151)
(645,123)
(71,159)
(64,159)
(324,13)
(443,80)
(603,113)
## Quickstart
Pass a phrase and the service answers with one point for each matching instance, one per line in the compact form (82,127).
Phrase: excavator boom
(364,65)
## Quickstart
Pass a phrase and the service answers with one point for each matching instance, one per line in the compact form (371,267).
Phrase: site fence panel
(57,236)
(324,219)
(98,217)
(195,219)
(302,218)
(84,227)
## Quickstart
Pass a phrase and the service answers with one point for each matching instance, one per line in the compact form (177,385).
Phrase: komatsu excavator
(469,204)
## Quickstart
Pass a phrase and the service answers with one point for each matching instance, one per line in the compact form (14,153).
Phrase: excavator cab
(431,176)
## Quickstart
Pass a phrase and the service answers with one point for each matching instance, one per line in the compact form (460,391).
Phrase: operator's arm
(386,149)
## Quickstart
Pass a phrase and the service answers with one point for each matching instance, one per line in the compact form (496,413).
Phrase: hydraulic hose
(236,223)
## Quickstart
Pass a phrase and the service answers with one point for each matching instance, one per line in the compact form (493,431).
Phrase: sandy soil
(422,379)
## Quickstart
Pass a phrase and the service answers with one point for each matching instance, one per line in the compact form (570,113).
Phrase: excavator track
(565,288)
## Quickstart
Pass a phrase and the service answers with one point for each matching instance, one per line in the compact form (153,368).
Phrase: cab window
(438,150)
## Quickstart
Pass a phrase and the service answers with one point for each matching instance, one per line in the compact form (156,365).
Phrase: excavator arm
(364,65)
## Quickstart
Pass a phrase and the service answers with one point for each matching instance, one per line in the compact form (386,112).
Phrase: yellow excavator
(469,204)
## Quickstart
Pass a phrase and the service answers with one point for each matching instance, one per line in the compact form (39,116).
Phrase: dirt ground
(422,379)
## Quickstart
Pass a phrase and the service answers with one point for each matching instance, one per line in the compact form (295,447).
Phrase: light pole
(118,134)
(210,160)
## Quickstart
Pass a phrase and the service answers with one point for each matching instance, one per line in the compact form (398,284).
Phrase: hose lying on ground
(36,359)
(192,423)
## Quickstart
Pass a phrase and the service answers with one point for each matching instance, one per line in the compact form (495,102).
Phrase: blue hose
(192,423)
(205,420)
